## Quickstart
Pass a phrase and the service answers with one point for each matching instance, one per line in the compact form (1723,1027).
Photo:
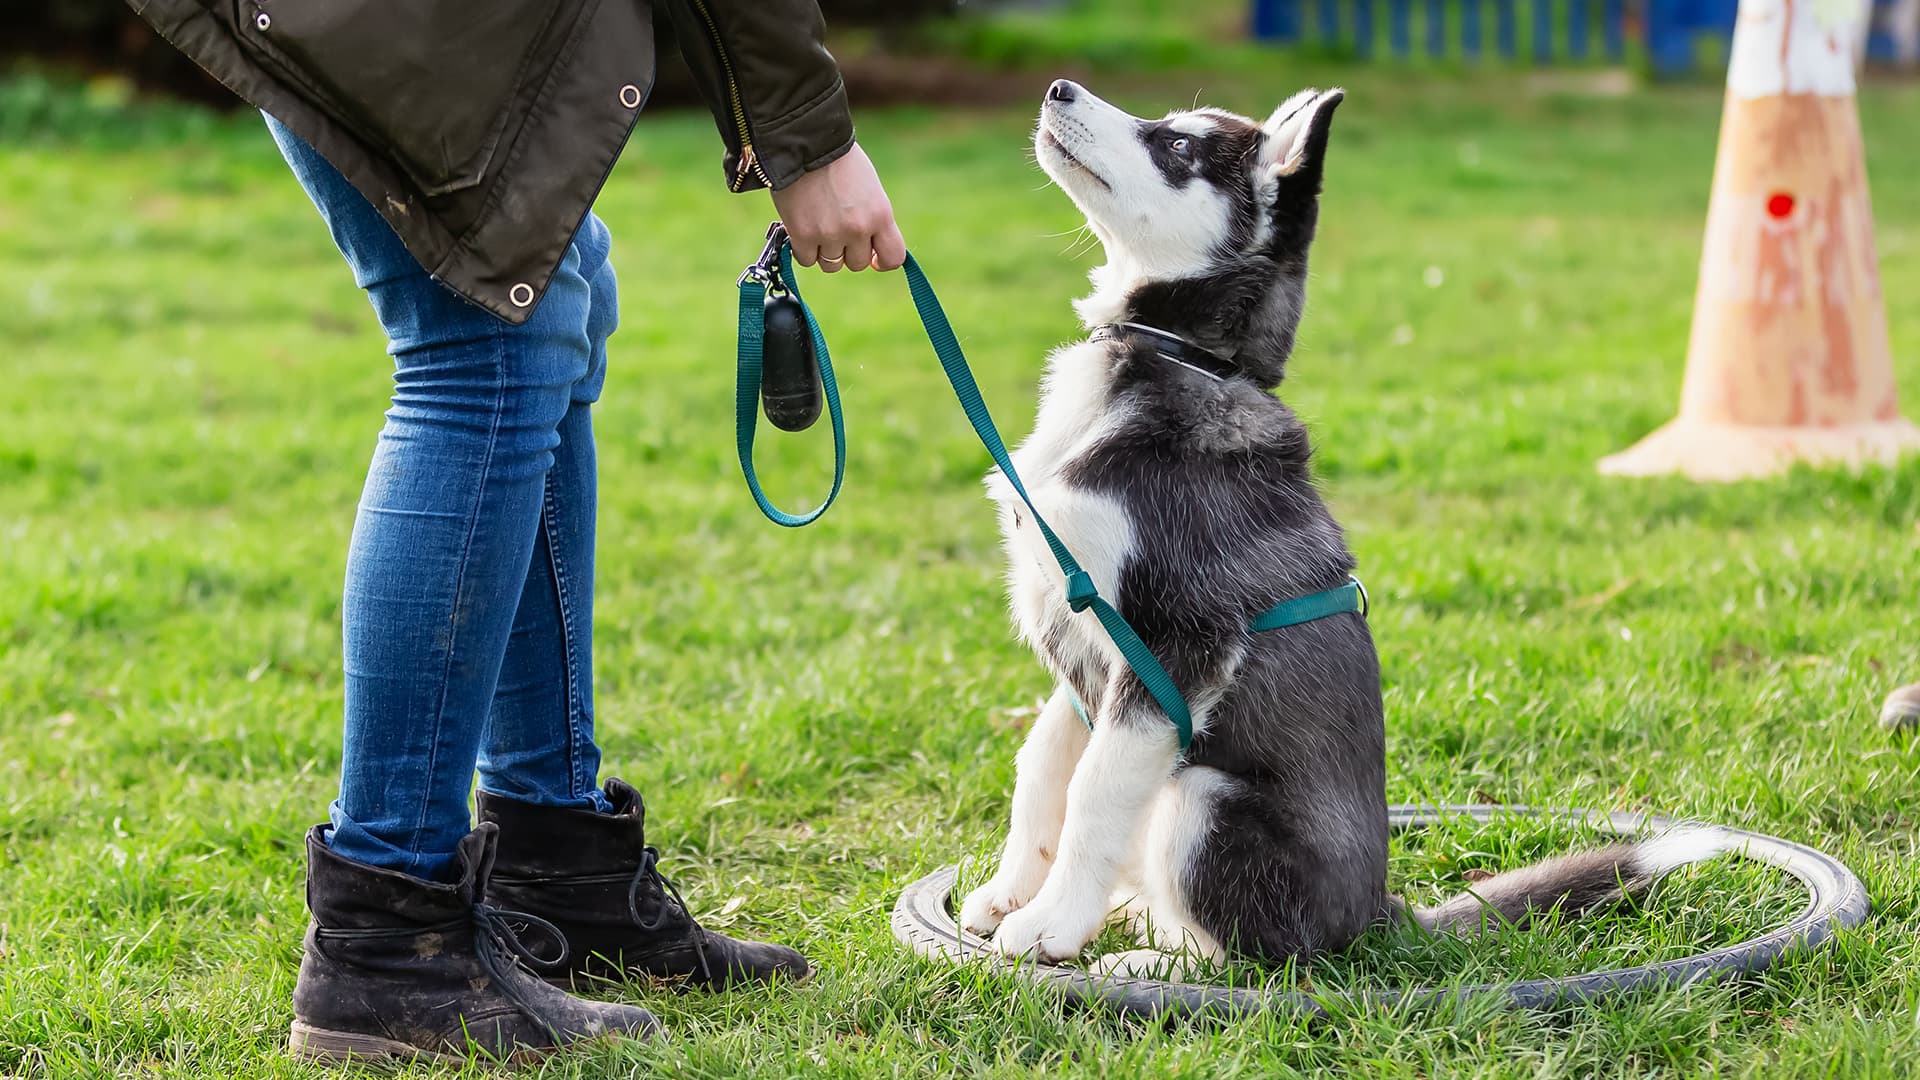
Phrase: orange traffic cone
(1788,360)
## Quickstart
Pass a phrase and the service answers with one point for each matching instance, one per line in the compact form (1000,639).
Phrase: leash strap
(746,397)
(1082,595)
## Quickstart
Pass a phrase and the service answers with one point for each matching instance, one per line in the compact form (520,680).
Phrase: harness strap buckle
(1080,590)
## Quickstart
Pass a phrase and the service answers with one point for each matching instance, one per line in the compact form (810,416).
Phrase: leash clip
(766,269)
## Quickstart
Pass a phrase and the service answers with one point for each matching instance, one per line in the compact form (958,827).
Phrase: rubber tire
(1836,901)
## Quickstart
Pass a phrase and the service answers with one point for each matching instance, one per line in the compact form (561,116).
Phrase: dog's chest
(1096,528)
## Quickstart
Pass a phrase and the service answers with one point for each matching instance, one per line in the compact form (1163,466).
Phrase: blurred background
(887,44)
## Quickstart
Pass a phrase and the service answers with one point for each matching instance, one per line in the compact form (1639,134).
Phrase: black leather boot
(594,877)
(400,968)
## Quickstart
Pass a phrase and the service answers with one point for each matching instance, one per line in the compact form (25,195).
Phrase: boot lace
(649,871)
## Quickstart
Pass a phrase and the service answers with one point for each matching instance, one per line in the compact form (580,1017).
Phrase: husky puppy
(1167,466)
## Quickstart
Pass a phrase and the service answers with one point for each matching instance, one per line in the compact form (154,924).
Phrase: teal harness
(774,271)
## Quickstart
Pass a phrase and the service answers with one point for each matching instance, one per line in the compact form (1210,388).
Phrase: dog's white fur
(1148,230)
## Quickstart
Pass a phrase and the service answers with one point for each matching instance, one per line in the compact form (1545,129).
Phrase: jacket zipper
(749,164)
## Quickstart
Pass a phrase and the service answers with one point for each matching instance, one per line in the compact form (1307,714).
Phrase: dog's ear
(1293,144)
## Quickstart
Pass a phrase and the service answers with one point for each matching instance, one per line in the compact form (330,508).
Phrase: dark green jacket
(482,130)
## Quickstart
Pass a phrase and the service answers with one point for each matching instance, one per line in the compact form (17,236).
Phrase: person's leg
(539,745)
(445,532)
(404,957)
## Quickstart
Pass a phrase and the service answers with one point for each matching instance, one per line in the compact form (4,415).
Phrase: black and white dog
(1164,462)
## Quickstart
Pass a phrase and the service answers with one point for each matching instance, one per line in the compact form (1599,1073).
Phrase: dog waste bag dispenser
(789,376)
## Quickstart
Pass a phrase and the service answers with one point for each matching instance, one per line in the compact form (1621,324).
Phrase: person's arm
(778,100)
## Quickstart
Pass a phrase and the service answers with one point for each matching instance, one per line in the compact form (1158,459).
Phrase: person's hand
(838,215)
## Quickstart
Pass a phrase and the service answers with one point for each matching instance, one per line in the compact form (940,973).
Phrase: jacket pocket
(431,84)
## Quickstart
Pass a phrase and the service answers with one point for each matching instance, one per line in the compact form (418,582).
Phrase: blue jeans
(468,615)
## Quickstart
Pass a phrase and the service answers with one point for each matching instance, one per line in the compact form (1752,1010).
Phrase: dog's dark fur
(1268,837)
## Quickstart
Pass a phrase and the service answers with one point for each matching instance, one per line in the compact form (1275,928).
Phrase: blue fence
(1676,35)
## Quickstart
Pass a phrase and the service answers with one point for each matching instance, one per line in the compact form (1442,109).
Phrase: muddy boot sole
(325,1047)
(343,1047)
(371,1051)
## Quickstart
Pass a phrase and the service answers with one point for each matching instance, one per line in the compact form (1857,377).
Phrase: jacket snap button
(630,96)
(263,21)
(521,295)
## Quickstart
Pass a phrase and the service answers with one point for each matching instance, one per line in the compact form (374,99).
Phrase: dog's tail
(1574,884)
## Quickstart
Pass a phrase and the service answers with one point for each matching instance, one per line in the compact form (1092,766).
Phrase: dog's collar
(1170,347)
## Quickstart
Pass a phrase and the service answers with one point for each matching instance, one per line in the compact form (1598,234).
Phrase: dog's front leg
(1043,769)
(1127,762)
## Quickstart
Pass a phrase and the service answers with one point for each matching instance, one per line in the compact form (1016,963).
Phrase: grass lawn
(1501,295)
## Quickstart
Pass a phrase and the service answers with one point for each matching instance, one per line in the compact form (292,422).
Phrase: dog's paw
(1045,932)
(1012,886)
(985,906)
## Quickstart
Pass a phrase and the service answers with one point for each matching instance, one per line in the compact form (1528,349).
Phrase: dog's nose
(1062,91)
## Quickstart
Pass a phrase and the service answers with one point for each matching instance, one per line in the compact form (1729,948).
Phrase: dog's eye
(1181,145)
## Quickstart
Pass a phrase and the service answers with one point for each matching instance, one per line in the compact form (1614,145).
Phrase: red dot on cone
(1780,204)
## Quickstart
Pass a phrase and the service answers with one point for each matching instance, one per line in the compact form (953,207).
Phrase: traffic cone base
(1705,450)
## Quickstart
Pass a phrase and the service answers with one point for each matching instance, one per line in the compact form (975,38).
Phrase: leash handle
(774,270)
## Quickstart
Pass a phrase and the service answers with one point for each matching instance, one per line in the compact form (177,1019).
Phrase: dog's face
(1199,195)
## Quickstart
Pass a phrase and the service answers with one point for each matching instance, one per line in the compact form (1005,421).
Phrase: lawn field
(190,386)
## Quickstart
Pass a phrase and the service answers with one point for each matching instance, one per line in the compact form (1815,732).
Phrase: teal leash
(775,271)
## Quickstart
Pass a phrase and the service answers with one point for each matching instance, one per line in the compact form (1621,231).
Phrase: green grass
(1500,296)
